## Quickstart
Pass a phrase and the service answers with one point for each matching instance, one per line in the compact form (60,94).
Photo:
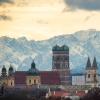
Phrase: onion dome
(4,72)
(65,48)
(3,69)
(56,48)
(33,65)
(11,68)
(10,71)
(33,71)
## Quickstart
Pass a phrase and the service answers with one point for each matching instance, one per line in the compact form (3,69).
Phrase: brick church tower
(91,73)
(60,63)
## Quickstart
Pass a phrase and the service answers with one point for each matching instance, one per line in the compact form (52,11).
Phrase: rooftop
(60,48)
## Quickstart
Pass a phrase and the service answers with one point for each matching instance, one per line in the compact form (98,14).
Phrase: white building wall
(78,80)
(99,80)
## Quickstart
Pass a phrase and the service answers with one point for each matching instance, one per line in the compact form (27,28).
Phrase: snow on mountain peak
(20,52)
(87,34)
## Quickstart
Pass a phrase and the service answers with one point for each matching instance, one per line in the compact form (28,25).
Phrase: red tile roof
(59,94)
(50,77)
(20,77)
(80,93)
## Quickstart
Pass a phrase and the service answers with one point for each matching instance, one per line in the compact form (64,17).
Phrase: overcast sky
(42,19)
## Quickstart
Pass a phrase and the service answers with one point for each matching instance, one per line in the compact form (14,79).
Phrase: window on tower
(11,83)
(58,58)
(66,58)
(67,66)
(88,75)
(94,75)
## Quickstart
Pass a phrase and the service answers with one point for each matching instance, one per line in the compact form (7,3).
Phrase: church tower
(60,63)
(33,76)
(10,78)
(94,65)
(11,71)
(91,73)
(4,72)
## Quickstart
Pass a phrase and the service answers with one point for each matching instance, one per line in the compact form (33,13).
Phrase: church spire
(88,66)
(94,65)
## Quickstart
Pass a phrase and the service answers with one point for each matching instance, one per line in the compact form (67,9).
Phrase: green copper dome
(55,48)
(3,69)
(11,68)
(33,71)
(65,48)
(62,48)
(33,65)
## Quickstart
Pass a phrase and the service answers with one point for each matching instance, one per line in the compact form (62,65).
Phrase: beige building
(20,78)
(32,80)
(10,81)
(7,80)
(33,77)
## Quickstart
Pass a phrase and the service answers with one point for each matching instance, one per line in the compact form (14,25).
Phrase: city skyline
(42,19)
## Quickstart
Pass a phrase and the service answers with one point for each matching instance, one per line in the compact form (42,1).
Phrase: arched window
(94,75)
(29,81)
(11,83)
(88,75)
(34,81)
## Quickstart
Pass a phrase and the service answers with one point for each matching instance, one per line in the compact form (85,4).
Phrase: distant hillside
(20,52)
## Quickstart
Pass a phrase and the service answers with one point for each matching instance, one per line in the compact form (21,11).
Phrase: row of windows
(33,81)
(30,82)
(89,75)
(60,58)
(60,65)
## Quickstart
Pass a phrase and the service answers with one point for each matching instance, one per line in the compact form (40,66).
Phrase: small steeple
(4,71)
(33,65)
(11,71)
(88,66)
(94,65)
(33,70)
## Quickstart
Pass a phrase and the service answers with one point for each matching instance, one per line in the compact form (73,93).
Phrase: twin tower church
(60,74)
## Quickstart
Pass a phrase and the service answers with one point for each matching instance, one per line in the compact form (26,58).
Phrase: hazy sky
(42,19)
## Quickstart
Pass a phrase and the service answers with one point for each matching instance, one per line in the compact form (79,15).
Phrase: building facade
(91,73)
(60,63)
(5,79)
(20,78)
(90,77)
(32,77)
(60,74)
(78,79)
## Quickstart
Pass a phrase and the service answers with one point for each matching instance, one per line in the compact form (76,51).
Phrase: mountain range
(20,52)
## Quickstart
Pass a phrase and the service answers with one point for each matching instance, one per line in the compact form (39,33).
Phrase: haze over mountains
(20,52)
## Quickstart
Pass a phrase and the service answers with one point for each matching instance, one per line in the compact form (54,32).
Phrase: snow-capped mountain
(20,52)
